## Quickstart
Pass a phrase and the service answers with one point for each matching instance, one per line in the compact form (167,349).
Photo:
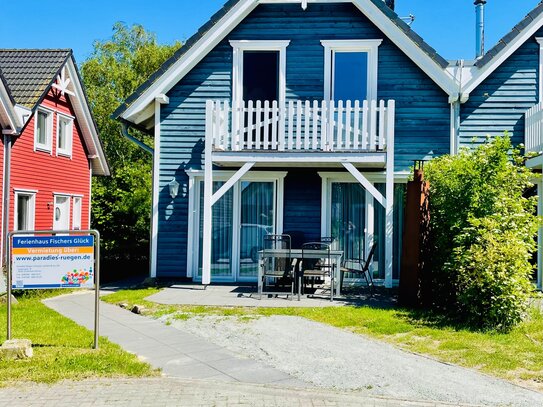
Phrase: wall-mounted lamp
(173,185)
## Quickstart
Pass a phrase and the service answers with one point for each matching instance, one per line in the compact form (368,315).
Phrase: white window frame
(193,246)
(67,152)
(48,146)
(32,210)
(74,199)
(371,47)
(257,45)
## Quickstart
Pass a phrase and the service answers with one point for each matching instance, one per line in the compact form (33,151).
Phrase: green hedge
(482,234)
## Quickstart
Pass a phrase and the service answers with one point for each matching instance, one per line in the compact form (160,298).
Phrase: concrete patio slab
(247,296)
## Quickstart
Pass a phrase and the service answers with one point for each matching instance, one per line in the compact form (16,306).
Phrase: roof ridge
(36,50)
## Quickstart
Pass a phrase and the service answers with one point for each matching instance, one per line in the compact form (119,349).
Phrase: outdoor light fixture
(174,188)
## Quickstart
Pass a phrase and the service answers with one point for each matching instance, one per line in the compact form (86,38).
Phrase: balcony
(320,130)
(534,129)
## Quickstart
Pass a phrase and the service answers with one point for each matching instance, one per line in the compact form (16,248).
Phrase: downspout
(455,111)
(140,144)
(5,197)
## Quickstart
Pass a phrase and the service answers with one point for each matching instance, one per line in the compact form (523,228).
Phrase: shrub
(482,234)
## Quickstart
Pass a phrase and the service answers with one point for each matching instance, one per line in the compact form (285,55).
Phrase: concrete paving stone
(196,370)
(211,356)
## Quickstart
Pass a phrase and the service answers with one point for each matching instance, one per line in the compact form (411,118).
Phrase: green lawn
(62,349)
(516,356)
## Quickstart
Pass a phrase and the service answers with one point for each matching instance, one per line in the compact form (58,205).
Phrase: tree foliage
(482,234)
(121,203)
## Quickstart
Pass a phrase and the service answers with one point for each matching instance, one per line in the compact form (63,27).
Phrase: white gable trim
(241,10)
(8,114)
(481,74)
(86,122)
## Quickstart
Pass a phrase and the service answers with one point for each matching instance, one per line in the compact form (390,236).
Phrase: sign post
(52,260)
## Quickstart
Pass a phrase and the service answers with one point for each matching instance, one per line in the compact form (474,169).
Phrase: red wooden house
(50,145)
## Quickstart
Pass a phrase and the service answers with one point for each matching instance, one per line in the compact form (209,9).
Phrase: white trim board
(237,14)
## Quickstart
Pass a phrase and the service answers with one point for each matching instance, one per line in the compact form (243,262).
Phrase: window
(64,135)
(43,130)
(25,203)
(259,70)
(350,69)
(76,215)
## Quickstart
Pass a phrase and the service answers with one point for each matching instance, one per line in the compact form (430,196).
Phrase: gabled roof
(26,76)
(234,11)
(29,73)
(511,36)
(505,47)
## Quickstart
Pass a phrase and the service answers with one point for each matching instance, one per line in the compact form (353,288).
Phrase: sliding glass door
(241,219)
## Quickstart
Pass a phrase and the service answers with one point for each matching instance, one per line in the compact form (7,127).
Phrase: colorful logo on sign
(77,277)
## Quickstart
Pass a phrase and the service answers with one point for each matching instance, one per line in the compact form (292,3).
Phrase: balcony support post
(389,209)
(208,195)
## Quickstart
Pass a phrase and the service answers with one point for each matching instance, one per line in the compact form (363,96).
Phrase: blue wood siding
(422,120)
(302,207)
(498,104)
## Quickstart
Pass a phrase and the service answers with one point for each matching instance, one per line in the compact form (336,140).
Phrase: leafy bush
(482,234)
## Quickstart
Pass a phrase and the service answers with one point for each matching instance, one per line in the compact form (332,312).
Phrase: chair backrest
(369,259)
(322,263)
(273,262)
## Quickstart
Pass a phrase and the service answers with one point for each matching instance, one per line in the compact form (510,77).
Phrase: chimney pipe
(479,28)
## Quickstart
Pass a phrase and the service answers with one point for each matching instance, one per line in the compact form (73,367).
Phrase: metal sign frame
(95,233)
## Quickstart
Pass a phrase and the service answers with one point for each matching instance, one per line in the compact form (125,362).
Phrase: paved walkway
(177,392)
(177,353)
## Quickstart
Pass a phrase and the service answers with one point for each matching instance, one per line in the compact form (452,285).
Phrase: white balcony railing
(301,126)
(534,129)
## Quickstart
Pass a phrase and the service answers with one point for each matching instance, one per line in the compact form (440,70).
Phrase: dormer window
(64,135)
(43,131)
(350,69)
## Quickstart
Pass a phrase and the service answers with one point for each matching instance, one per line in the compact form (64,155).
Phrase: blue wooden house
(304,117)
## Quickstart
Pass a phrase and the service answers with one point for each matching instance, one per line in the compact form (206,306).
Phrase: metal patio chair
(276,269)
(316,267)
(360,267)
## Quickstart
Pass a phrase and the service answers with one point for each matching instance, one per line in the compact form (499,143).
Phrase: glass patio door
(348,218)
(241,219)
(257,219)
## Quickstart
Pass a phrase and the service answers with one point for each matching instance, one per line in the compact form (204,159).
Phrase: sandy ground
(332,358)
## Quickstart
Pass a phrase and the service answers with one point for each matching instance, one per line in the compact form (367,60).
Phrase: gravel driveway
(332,358)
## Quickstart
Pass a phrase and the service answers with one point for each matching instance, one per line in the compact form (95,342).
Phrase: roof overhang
(141,110)
(10,121)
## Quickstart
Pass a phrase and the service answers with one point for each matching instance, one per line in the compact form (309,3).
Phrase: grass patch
(516,356)
(62,349)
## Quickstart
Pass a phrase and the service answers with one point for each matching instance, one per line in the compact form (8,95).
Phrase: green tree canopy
(121,203)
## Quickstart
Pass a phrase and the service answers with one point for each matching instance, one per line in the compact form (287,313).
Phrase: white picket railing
(534,129)
(301,126)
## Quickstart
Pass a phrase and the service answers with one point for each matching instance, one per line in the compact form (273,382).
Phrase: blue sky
(447,25)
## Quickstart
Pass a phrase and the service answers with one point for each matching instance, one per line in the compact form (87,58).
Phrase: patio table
(335,256)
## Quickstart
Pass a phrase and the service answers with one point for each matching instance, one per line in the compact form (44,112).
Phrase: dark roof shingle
(29,73)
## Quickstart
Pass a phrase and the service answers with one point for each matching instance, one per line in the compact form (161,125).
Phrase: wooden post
(389,229)
(208,194)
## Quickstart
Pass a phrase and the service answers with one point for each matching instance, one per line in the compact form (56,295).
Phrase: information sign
(40,262)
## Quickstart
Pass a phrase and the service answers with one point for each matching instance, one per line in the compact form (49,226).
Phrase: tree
(482,231)
(122,202)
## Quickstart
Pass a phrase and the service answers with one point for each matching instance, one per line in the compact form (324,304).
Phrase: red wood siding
(48,173)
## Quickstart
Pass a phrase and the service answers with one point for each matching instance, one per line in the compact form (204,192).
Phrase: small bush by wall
(482,234)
